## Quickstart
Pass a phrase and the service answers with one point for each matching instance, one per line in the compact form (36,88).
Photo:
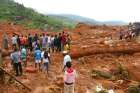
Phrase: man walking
(15,56)
(14,41)
(37,55)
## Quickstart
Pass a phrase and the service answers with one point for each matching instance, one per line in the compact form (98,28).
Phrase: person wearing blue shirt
(15,56)
(37,55)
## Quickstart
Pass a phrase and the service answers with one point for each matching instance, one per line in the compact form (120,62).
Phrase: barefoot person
(69,79)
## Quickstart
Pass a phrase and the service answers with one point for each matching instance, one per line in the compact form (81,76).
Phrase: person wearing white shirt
(66,59)
(46,60)
(49,42)
(14,41)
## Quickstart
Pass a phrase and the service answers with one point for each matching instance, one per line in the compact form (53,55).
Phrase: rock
(59,81)
(48,89)
(30,70)
(120,82)
(101,74)
(54,88)
(105,74)
(133,87)
(82,60)
(27,81)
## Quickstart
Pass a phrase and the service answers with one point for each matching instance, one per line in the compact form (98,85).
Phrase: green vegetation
(17,13)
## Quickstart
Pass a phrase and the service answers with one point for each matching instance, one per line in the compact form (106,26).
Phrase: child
(46,60)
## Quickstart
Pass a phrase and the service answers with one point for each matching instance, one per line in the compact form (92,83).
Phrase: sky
(100,10)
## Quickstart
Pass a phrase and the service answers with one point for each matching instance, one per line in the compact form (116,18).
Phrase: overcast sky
(101,10)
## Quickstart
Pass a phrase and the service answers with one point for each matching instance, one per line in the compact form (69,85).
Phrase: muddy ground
(90,51)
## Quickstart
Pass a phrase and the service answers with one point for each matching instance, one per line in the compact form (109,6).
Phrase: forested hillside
(17,13)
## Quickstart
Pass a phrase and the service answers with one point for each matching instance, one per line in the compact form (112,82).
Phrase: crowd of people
(51,42)
(132,31)
(128,34)
(41,47)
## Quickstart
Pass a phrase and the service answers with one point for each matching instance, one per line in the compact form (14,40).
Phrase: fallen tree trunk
(77,52)
(14,78)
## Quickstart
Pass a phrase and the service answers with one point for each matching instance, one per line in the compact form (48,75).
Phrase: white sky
(101,10)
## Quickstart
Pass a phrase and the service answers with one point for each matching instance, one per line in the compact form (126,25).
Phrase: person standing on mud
(22,42)
(68,41)
(66,59)
(23,54)
(37,55)
(49,42)
(40,40)
(14,41)
(18,41)
(15,56)
(121,35)
(44,41)
(30,41)
(52,43)
(59,42)
(26,41)
(5,41)
(46,61)
(55,42)
(36,38)
(63,40)
(69,78)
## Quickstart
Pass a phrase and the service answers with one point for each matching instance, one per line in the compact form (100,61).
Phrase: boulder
(30,70)
(59,81)
(98,73)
